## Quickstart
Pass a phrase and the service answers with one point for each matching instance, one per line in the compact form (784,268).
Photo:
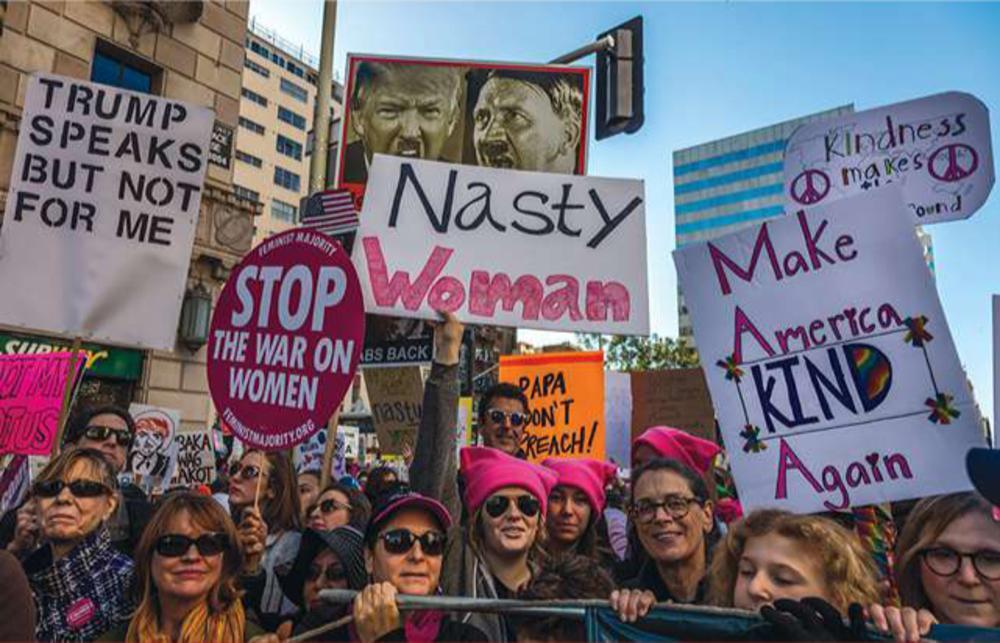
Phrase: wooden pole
(67,396)
(260,476)
(328,449)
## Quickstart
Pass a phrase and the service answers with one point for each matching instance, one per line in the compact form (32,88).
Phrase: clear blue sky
(717,69)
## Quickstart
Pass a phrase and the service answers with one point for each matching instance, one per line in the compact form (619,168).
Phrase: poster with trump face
(501,115)
(153,456)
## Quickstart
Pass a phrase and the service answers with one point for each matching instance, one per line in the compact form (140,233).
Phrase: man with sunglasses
(110,430)
(503,414)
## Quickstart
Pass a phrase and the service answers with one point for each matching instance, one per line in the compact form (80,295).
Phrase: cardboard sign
(31,394)
(830,363)
(457,111)
(195,459)
(675,397)
(285,339)
(566,403)
(937,149)
(396,395)
(100,220)
(506,248)
(154,448)
(618,417)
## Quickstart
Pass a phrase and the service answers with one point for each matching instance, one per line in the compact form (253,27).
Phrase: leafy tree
(631,353)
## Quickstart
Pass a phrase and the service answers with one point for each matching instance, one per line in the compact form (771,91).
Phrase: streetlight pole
(321,115)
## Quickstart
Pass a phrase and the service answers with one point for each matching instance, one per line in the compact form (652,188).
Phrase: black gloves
(813,619)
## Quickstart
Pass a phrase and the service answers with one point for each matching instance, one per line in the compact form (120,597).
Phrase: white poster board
(195,459)
(100,218)
(937,149)
(830,363)
(153,454)
(618,417)
(504,247)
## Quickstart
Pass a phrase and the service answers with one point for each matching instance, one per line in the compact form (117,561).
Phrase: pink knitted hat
(487,470)
(589,476)
(679,445)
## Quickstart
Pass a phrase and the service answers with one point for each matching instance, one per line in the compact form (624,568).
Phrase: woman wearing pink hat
(576,505)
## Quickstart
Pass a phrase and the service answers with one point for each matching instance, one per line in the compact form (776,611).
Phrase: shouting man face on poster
(403,110)
(528,121)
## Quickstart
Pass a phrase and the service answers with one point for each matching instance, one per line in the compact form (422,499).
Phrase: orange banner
(566,401)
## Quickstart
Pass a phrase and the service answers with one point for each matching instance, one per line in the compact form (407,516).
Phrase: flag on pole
(331,212)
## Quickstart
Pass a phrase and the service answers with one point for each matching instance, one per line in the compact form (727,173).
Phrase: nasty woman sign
(504,247)
(285,339)
(829,360)
(936,148)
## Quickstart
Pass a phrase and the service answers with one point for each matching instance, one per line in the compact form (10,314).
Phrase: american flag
(331,212)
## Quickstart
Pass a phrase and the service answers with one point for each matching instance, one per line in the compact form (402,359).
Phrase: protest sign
(502,247)
(996,363)
(829,360)
(566,403)
(461,117)
(352,441)
(104,197)
(285,339)
(463,425)
(618,417)
(31,394)
(396,394)
(195,459)
(673,397)
(15,480)
(396,341)
(154,447)
(308,455)
(937,149)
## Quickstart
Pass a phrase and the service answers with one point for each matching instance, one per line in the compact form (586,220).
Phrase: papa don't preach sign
(286,338)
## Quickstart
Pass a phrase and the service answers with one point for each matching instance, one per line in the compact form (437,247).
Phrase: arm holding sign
(433,470)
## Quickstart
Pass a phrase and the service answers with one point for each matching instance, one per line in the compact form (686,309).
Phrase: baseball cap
(402,498)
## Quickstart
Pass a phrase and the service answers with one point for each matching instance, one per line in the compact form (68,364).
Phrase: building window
(248,158)
(254,97)
(246,194)
(283,211)
(259,49)
(286,179)
(256,128)
(294,91)
(295,69)
(251,65)
(290,117)
(288,147)
(116,70)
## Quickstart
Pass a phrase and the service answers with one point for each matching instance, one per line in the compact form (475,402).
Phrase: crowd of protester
(87,557)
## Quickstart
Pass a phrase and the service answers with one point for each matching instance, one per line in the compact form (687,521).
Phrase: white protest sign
(352,438)
(100,219)
(618,417)
(829,360)
(504,247)
(153,454)
(937,149)
(195,459)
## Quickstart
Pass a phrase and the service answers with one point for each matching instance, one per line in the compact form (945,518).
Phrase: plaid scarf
(82,595)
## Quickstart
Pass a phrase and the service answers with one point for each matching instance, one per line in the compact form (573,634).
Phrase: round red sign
(285,339)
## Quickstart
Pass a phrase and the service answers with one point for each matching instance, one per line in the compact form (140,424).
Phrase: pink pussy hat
(589,476)
(486,470)
(675,444)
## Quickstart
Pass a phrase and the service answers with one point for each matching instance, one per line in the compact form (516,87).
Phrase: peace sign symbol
(810,187)
(961,161)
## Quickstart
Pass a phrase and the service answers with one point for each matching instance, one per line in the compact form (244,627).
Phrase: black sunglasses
(79,488)
(401,541)
(249,472)
(176,545)
(333,573)
(329,506)
(497,506)
(497,416)
(101,433)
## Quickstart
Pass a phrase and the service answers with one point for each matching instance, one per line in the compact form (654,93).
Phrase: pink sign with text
(31,393)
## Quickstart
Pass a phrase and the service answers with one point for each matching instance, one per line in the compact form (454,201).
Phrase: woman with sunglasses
(948,559)
(270,535)
(574,520)
(339,505)
(79,580)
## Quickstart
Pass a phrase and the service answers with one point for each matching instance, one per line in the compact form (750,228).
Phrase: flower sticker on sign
(285,340)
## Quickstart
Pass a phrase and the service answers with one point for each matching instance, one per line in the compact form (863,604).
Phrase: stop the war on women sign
(504,247)
(830,363)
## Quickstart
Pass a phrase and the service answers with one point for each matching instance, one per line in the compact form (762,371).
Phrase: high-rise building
(273,148)
(730,184)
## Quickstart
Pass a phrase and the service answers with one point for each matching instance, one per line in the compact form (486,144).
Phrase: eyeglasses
(248,472)
(332,573)
(401,541)
(101,433)
(176,545)
(79,488)
(945,561)
(497,506)
(329,506)
(677,507)
(497,416)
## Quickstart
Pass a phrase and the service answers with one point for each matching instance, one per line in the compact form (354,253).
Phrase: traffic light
(619,81)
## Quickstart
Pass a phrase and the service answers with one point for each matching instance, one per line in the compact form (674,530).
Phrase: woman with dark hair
(79,580)
(326,560)
(379,479)
(339,505)
(270,534)
(574,520)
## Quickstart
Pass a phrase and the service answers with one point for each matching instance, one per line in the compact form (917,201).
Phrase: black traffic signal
(619,81)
